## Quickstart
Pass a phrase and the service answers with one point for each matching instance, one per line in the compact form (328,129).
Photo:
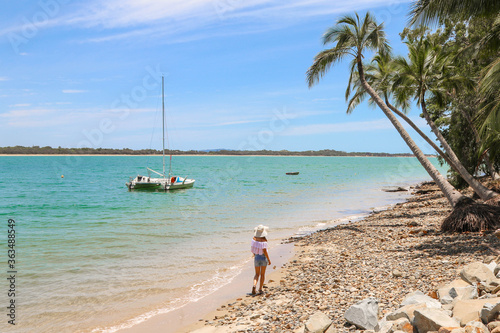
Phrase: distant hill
(36,150)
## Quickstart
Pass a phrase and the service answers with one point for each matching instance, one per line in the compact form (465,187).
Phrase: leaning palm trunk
(449,191)
(422,134)
(487,159)
(481,190)
(466,215)
(353,35)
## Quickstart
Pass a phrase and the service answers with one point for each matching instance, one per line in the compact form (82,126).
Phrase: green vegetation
(453,76)
(36,150)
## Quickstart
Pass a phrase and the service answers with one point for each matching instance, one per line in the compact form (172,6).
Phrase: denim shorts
(260,260)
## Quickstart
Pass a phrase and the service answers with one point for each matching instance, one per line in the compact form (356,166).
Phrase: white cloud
(16,114)
(313,129)
(132,18)
(73,91)
(19,105)
(4,78)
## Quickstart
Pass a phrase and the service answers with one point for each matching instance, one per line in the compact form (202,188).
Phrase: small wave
(220,278)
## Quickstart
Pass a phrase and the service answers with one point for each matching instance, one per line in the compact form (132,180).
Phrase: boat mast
(163,121)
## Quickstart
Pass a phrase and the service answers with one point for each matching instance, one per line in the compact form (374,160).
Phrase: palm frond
(431,11)
(322,63)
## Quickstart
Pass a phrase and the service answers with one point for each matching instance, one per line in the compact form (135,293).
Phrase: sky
(77,73)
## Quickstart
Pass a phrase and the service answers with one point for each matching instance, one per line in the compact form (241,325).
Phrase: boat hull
(163,184)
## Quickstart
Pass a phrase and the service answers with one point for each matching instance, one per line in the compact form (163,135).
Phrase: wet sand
(187,318)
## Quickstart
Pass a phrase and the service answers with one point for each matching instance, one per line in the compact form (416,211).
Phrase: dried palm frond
(468,215)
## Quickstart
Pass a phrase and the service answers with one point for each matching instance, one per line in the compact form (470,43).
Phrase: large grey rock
(419,297)
(489,312)
(318,323)
(432,320)
(477,272)
(363,314)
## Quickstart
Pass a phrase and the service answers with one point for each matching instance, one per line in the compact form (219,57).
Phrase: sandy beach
(386,255)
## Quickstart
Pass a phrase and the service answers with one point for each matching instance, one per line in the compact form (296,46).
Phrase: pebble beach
(386,255)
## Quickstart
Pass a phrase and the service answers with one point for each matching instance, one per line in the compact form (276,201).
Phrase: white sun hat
(260,231)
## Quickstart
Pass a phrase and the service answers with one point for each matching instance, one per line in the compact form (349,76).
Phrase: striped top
(258,247)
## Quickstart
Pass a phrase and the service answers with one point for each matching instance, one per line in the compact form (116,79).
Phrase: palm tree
(380,75)
(432,11)
(490,90)
(427,73)
(429,11)
(353,36)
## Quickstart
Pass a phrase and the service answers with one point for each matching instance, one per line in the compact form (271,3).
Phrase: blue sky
(87,74)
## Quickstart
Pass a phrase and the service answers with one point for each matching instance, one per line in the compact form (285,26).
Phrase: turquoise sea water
(92,256)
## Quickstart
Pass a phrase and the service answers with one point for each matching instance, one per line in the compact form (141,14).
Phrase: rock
(490,311)
(402,324)
(396,273)
(406,311)
(477,272)
(318,323)
(458,289)
(396,189)
(331,329)
(469,310)
(383,326)
(301,329)
(492,265)
(451,330)
(419,297)
(432,320)
(493,325)
(489,259)
(363,314)
(462,293)
(490,287)
(447,299)
(497,233)
(445,289)
(476,327)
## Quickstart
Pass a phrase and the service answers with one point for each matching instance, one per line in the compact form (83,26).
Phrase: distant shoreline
(213,155)
(49,151)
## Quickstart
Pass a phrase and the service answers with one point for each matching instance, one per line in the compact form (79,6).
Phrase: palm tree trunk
(481,190)
(422,134)
(487,160)
(449,191)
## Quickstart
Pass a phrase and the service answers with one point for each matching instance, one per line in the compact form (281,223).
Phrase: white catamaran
(163,183)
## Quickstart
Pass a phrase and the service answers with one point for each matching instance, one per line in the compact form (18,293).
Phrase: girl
(261,257)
